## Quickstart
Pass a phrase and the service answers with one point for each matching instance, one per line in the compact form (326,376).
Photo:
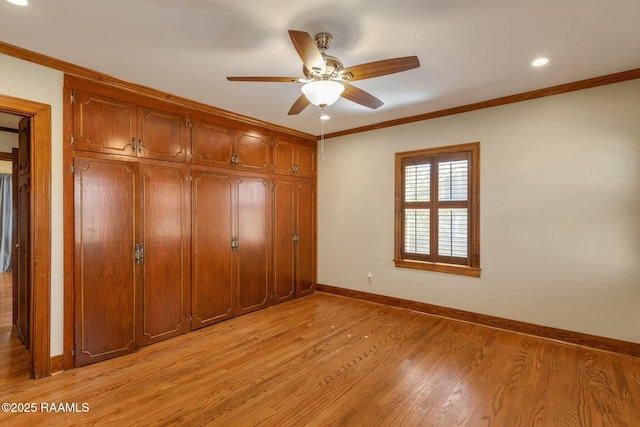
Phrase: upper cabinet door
(103,125)
(283,157)
(306,161)
(253,151)
(290,158)
(161,135)
(212,144)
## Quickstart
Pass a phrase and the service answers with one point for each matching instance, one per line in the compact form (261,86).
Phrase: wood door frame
(40,233)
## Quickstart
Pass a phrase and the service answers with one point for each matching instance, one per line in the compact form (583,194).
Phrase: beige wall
(29,81)
(560,212)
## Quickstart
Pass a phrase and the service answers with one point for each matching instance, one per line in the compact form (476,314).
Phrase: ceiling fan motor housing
(333,64)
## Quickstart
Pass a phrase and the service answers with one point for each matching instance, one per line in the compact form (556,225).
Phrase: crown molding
(98,77)
(510,99)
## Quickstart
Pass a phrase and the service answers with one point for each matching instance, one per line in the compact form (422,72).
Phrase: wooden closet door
(283,157)
(212,144)
(161,135)
(103,125)
(306,161)
(212,280)
(306,246)
(166,221)
(254,243)
(107,280)
(283,246)
(253,151)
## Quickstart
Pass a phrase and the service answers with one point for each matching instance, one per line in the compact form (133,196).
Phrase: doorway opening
(14,243)
(36,309)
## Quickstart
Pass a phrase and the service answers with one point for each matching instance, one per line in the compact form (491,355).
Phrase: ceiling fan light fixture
(322,92)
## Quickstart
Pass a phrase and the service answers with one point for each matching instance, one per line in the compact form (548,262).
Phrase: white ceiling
(469,50)
(9,121)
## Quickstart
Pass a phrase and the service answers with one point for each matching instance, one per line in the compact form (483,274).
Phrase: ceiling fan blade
(267,79)
(300,104)
(307,50)
(380,68)
(361,97)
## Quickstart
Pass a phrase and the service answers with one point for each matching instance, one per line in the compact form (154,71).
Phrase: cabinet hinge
(188,178)
(188,123)
(73,170)
(73,139)
(139,253)
(73,97)
(73,352)
(271,141)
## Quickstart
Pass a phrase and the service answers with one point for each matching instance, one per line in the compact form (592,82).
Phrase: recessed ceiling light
(540,62)
(19,2)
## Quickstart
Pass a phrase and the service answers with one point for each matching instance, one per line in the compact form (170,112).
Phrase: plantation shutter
(417,189)
(437,215)
(435,196)
(453,230)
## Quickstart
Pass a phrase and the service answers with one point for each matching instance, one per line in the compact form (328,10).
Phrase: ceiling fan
(325,78)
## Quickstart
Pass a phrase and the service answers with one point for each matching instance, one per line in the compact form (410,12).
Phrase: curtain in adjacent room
(5,222)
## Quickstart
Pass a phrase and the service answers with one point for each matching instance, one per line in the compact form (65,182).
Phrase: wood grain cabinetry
(112,126)
(213,296)
(173,219)
(132,256)
(231,255)
(108,282)
(219,145)
(290,158)
(253,242)
(166,258)
(294,237)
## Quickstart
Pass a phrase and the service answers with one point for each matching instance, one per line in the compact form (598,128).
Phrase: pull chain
(322,139)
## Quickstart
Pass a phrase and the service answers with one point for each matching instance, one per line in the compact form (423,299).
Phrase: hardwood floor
(326,360)
(14,357)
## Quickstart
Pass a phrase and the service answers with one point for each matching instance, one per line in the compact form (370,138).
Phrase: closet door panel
(254,243)
(283,246)
(103,125)
(283,157)
(108,301)
(212,280)
(254,151)
(166,219)
(306,161)
(306,247)
(212,144)
(162,135)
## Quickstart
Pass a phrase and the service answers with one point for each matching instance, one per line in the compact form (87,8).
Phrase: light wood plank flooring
(325,360)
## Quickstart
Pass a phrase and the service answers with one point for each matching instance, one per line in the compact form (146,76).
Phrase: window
(437,209)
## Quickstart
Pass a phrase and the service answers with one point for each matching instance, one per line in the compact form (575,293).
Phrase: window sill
(462,270)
